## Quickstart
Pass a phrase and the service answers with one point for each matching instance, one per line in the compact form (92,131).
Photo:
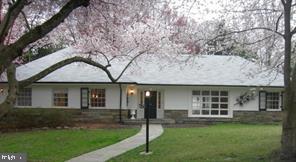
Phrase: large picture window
(98,98)
(24,97)
(214,103)
(60,97)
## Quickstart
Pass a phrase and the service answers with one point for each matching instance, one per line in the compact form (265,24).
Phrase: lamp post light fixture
(147,115)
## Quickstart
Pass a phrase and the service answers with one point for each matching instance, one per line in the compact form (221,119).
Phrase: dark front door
(150,102)
(84,98)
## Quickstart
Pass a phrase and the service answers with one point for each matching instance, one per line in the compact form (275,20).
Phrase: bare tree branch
(245,30)
(130,62)
(27,82)
(278,22)
(26,20)
(12,13)
(11,52)
(41,30)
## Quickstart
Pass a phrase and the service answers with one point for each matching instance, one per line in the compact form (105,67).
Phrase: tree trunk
(289,127)
(288,150)
(9,102)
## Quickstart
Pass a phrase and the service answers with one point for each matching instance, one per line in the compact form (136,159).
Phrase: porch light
(131,91)
(147,93)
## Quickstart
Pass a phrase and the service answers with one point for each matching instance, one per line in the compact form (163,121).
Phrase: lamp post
(147,95)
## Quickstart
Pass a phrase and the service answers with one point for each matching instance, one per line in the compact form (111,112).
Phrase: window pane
(224,112)
(206,93)
(215,112)
(223,93)
(223,99)
(206,99)
(215,99)
(205,112)
(206,105)
(215,106)
(223,106)
(215,93)
(195,92)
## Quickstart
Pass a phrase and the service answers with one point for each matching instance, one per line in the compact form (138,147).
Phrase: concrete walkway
(106,153)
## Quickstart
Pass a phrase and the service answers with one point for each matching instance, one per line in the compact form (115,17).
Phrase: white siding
(41,97)
(74,97)
(252,105)
(177,98)
(173,97)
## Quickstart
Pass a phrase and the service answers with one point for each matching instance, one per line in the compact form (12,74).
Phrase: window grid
(24,97)
(60,97)
(210,103)
(272,100)
(98,98)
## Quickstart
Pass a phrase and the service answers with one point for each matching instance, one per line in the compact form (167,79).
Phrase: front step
(151,121)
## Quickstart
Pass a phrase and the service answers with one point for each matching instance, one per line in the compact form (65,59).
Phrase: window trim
(90,97)
(229,115)
(53,104)
(31,98)
(280,101)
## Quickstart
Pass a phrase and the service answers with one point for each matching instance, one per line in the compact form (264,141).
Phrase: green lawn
(60,145)
(223,142)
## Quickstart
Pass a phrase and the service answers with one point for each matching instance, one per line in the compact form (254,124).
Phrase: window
(98,98)
(212,103)
(272,100)
(159,100)
(24,97)
(269,100)
(60,97)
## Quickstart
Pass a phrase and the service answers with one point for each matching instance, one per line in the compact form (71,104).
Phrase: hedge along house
(182,88)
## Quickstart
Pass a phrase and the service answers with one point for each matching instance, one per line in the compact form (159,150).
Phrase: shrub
(21,118)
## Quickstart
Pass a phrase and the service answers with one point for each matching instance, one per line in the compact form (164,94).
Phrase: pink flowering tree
(106,29)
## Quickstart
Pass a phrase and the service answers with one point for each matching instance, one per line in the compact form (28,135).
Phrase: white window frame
(229,114)
(91,96)
(279,101)
(54,91)
(23,96)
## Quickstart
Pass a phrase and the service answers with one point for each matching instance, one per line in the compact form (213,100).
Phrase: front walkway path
(116,149)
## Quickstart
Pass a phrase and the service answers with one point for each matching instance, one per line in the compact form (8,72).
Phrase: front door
(151,103)
(84,98)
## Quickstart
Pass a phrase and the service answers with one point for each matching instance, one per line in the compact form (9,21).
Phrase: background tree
(108,29)
(267,28)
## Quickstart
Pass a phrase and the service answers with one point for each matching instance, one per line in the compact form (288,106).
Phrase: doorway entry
(151,103)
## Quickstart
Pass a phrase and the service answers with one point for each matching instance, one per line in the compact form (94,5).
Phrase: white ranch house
(181,87)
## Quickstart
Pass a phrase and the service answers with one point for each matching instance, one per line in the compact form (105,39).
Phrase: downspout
(120,103)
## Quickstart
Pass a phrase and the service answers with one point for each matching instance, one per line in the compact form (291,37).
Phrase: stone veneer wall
(257,116)
(181,116)
(102,115)
(177,115)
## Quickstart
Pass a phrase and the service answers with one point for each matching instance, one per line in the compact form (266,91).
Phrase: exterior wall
(176,101)
(257,117)
(42,96)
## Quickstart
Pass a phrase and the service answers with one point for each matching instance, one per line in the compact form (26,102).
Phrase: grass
(218,143)
(60,145)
